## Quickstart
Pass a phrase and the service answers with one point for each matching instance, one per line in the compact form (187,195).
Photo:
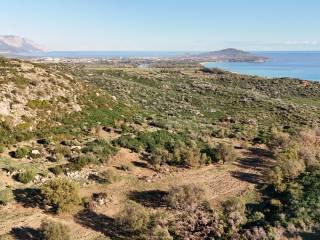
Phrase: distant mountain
(229,54)
(15,45)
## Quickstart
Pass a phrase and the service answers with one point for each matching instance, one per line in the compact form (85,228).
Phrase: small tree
(61,194)
(225,153)
(290,163)
(54,231)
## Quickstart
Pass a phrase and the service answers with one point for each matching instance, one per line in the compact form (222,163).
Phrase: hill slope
(114,151)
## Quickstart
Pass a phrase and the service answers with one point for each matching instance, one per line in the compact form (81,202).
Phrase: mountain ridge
(12,44)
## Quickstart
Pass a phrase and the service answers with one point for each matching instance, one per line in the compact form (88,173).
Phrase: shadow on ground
(151,198)
(258,161)
(248,177)
(101,223)
(141,164)
(29,197)
(25,233)
(310,236)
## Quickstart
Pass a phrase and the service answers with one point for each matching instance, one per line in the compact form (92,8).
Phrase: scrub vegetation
(174,151)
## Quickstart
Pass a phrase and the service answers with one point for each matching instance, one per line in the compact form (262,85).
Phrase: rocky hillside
(28,90)
(48,99)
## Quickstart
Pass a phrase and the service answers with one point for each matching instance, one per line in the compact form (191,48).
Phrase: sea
(301,65)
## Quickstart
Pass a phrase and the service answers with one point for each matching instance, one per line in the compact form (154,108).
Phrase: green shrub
(150,141)
(289,162)
(38,104)
(129,142)
(2,148)
(61,194)
(81,161)
(22,152)
(263,136)
(99,147)
(54,231)
(56,170)
(6,196)
(26,176)
(165,147)
(134,217)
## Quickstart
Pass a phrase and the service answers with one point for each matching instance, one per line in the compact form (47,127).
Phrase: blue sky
(164,24)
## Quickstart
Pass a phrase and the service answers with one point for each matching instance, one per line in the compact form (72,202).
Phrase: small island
(227,55)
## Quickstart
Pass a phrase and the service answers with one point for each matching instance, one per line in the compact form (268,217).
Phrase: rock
(4,108)
(75,147)
(114,98)
(35,152)
(76,107)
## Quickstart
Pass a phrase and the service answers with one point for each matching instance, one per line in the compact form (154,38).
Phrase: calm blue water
(302,65)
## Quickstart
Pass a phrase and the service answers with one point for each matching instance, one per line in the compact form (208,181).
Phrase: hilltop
(13,45)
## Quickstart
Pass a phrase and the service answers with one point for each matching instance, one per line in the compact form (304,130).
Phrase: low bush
(62,150)
(56,170)
(54,231)
(26,176)
(100,148)
(77,163)
(6,196)
(22,152)
(61,194)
